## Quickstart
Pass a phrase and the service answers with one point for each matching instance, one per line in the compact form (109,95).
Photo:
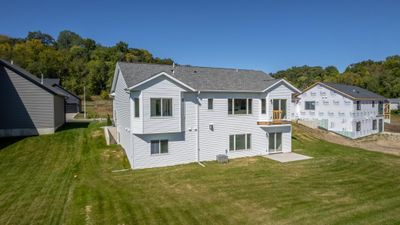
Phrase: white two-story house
(168,115)
(351,111)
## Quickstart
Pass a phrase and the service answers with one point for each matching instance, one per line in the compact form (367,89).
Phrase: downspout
(198,129)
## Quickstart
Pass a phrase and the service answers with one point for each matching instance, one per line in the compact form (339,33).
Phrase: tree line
(381,77)
(82,62)
(77,61)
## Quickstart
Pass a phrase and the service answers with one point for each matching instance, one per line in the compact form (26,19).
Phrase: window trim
(358,126)
(263,106)
(136,107)
(247,142)
(358,105)
(159,147)
(305,105)
(161,108)
(373,104)
(210,102)
(375,124)
(231,106)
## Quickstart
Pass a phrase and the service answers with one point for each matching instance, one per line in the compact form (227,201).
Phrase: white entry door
(275,143)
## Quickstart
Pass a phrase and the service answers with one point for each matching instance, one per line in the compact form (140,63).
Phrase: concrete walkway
(287,157)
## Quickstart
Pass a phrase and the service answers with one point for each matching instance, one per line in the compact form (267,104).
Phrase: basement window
(239,142)
(373,124)
(159,147)
(358,126)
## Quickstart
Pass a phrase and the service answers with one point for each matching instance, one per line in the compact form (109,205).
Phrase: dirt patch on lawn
(394,125)
(385,142)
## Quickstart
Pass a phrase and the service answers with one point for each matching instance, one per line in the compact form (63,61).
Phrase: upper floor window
(263,106)
(380,107)
(373,104)
(210,103)
(161,107)
(358,126)
(310,105)
(358,105)
(137,107)
(239,106)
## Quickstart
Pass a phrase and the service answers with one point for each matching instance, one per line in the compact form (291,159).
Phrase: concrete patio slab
(287,157)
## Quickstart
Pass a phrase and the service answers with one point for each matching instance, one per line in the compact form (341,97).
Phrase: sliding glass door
(279,109)
(275,142)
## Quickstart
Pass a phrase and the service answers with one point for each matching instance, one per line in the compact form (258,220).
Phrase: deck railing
(278,115)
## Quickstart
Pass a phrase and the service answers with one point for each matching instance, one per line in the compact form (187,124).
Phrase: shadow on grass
(73,125)
(4,142)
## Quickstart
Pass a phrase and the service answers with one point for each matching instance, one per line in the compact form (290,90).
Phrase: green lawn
(66,178)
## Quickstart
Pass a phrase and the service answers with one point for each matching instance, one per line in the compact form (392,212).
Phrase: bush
(396,112)
(104,94)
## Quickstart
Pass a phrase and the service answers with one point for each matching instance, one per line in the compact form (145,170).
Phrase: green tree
(66,39)
(46,39)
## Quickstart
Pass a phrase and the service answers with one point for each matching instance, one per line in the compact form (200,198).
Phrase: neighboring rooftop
(200,78)
(353,91)
(30,77)
(394,100)
(51,81)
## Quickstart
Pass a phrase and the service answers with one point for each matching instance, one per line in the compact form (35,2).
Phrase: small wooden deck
(274,122)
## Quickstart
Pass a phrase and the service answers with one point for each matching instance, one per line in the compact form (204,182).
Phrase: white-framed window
(358,103)
(263,106)
(373,124)
(373,104)
(239,106)
(137,107)
(160,107)
(158,147)
(310,105)
(239,142)
(358,126)
(210,103)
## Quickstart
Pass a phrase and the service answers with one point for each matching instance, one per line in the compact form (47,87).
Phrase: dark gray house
(28,107)
(72,103)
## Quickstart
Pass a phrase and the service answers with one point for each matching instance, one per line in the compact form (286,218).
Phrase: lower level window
(159,147)
(373,124)
(358,126)
(239,142)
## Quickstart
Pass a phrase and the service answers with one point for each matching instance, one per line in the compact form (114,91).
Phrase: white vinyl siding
(181,130)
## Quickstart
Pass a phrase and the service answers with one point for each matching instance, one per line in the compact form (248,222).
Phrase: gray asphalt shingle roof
(200,78)
(354,91)
(30,77)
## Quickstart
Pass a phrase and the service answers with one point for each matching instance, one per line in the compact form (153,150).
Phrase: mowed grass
(67,178)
